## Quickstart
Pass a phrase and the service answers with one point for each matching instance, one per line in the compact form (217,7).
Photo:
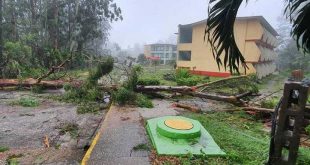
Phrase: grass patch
(26,102)
(84,108)
(159,73)
(148,81)
(3,149)
(143,102)
(269,103)
(308,129)
(141,146)
(240,136)
(124,96)
(72,128)
(13,159)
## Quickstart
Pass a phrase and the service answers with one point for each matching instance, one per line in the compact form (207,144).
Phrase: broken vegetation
(27,102)
(70,128)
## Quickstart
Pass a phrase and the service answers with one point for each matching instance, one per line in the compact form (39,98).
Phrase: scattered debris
(125,118)
(142,146)
(46,142)
(188,107)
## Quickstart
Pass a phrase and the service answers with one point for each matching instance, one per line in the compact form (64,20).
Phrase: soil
(24,129)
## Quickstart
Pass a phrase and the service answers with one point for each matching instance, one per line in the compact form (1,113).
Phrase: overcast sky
(149,21)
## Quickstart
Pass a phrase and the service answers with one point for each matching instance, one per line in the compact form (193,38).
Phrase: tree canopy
(41,33)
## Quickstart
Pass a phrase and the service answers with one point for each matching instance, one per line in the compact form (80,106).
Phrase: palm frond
(298,11)
(220,33)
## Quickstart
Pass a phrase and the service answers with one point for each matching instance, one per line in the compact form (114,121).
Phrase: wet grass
(240,135)
(27,102)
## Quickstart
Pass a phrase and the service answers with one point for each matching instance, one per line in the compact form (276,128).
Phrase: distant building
(255,38)
(165,52)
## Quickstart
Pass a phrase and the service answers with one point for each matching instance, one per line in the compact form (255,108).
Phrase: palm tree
(220,33)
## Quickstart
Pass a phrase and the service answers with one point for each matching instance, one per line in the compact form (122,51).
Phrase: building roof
(261,19)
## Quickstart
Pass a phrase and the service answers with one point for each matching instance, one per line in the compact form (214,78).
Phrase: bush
(169,77)
(182,73)
(37,89)
(184,77)
(148,81)
(191,81)
(270,104)
(103,68)
(124,96)
(143,102)
(133,78)
(67,87)
(308,129)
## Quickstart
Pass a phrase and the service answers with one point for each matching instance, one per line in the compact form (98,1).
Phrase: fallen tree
(256,109)
(55,84)
(185,90)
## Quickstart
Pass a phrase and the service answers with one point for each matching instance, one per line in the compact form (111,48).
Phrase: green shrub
(182,73)
(308,129)
(143,102)
(37,89)
(191,81)
(27,102)
(148,81)
(133,78)
(269,103)
(169,77)
(3,149)
(103,68)
(67,87)
(184,77)
(124,96)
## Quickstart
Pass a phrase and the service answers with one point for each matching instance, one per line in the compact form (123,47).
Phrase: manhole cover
(179,124)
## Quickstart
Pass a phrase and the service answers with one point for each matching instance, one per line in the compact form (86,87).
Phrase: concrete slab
(161,108)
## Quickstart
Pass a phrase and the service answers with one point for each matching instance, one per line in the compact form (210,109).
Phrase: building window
(174,55)
(167,55)
(185,55)
(186,34)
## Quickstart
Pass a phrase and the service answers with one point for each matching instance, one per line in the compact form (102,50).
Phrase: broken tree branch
(256,109)
(185,90)
(53,69)
(222,80)
(188,107)
(179,89)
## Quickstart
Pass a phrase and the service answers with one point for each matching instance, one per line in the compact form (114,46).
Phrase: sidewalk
(121,131)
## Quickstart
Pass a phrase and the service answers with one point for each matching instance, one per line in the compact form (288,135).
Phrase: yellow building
(254,36)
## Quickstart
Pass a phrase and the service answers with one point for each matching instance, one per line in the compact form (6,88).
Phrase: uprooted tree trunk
(185,90)
(191,91)
(30,83)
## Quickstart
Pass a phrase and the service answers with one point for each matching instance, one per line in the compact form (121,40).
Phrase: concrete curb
(95,140)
